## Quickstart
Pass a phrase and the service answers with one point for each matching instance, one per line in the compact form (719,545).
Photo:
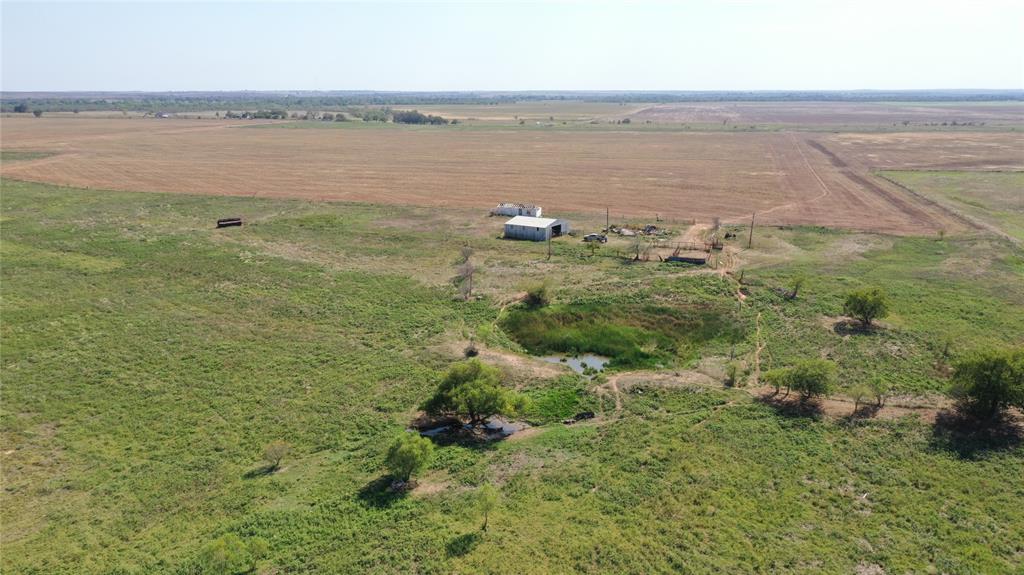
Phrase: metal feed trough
(229,222)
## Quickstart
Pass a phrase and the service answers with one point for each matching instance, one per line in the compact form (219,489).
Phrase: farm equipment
(690,247)
(229,222)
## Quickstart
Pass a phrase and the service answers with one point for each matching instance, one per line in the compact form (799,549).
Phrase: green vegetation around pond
(632,335)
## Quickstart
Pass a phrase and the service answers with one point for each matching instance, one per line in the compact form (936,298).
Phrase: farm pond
(579,363)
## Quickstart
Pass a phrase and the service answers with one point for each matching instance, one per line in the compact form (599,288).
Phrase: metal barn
(535,229)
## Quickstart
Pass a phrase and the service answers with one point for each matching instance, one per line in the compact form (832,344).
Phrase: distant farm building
(535,229)
(510,209)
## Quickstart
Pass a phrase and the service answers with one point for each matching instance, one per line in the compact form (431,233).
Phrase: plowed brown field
(861,114)
(788,178)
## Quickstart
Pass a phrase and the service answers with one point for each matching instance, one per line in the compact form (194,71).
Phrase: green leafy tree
(987,382)
(866,305)
(777,378)
(879,390)
(408,455)
(859,393)
(811,378)
(487,500)
(473,390)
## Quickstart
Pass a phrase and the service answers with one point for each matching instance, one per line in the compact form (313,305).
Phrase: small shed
(535,229)
(511,209)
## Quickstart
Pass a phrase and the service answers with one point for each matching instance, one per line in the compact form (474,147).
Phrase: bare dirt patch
(432,485)
(520,367)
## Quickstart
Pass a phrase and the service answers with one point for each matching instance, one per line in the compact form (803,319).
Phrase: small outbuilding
(535,229)
(511,209)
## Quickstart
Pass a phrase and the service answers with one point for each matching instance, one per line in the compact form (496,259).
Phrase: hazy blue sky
(699,45)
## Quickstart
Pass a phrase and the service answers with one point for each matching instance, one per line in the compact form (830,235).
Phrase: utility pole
(607,221)
(549,245)
(750,240)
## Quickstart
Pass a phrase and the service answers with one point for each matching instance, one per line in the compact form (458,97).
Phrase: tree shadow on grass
(259,472)
(380,494)
(855,327)
(462,544)
(864,411)
(789,405)
(467,438)
(969,438)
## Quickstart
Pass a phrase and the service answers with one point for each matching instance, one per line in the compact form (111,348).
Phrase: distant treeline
(260,114)
(365,114)
(415,117)
(203,101)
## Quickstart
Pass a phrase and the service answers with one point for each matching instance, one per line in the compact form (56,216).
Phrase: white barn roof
(531,222)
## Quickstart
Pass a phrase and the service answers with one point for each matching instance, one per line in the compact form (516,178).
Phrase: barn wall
(526,233)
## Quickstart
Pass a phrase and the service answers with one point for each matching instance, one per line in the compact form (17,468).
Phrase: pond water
(494,428)
(503,427)
(579,362)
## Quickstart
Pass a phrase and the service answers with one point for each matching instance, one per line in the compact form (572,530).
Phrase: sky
(442,46)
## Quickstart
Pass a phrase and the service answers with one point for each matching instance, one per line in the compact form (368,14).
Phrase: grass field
(994,198)
(147,358)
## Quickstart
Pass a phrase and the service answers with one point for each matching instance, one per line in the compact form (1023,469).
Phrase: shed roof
(531,222)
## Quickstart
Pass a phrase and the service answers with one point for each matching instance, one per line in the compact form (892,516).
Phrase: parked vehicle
(595,238)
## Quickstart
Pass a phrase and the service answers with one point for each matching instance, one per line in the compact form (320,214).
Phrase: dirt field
(787,178)
(861,114)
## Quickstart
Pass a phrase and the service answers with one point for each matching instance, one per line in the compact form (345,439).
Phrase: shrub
(538,295)
(866,305)
(733,373)
(408,455)
(228,555)
(794,286)
(473,390)
(987,382)
(464,273)
(274,452)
